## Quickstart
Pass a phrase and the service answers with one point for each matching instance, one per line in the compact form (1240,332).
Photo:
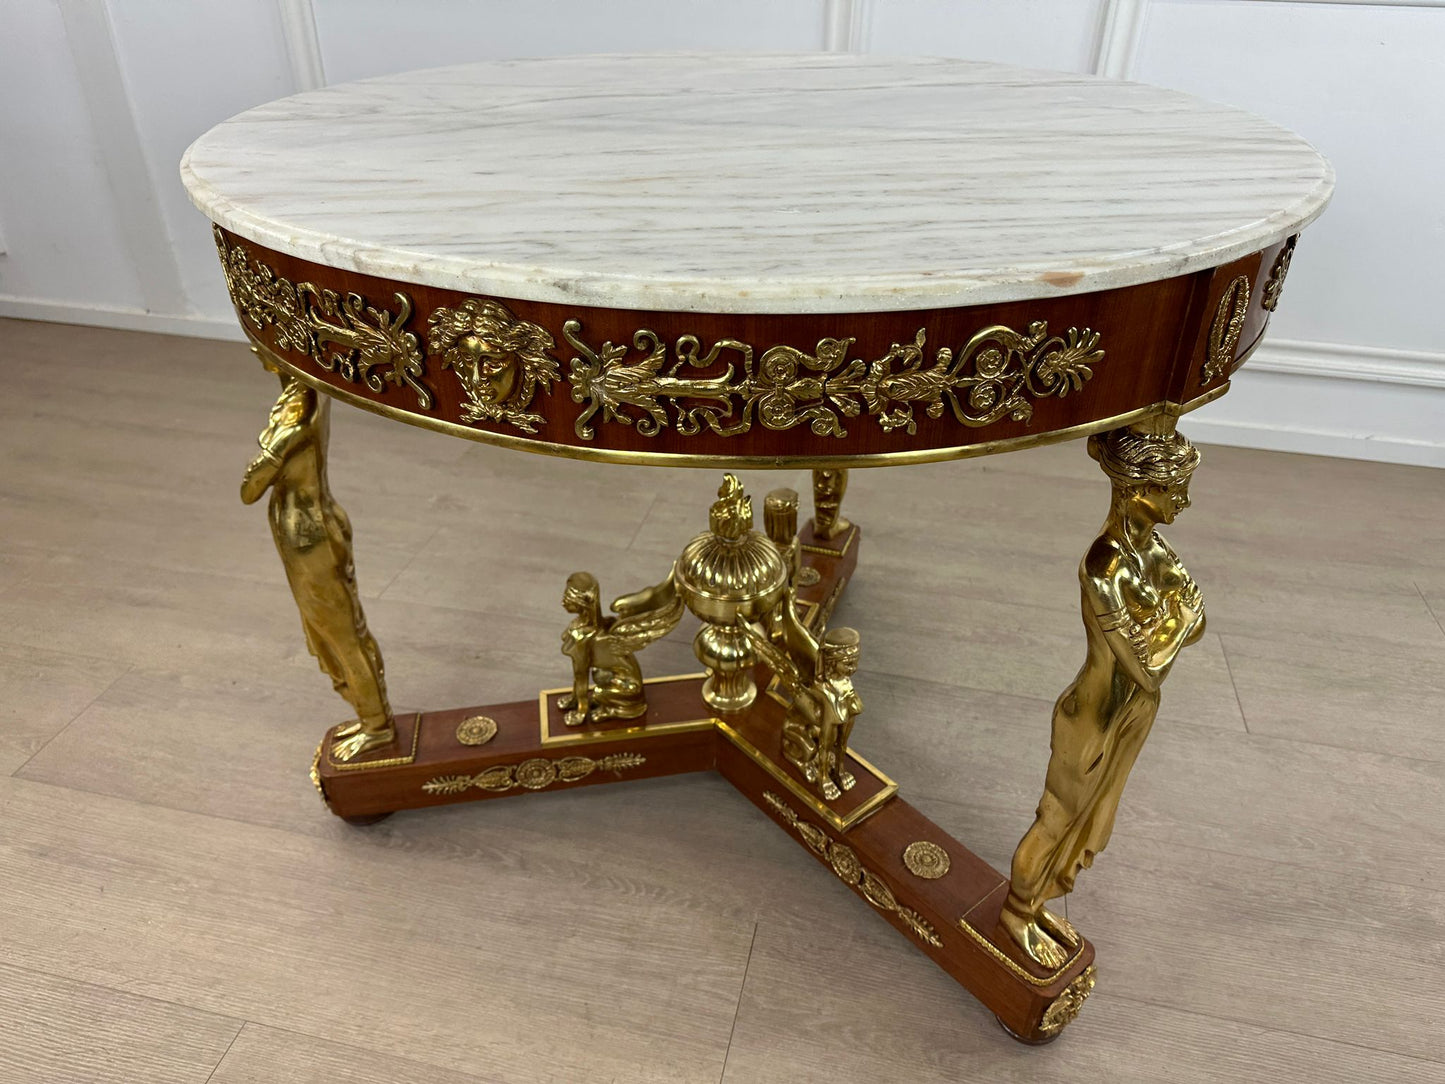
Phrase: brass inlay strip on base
(616,733)
(390,762)
(827,551)
(1003,958)
(840,822)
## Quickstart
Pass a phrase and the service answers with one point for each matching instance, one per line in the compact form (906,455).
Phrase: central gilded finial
(731,515)
(728,572)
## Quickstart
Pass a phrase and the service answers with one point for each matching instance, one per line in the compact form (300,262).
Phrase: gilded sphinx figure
(313,537)
(1140,608)
(606,679)
(819,678)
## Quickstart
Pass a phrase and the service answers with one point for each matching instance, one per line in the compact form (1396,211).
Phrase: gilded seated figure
(819,680)
(603,649)
(313,536)
(1140,608)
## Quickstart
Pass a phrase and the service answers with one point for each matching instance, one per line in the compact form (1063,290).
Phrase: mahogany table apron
(809,261)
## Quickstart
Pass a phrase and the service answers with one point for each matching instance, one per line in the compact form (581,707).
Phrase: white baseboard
(201,327)
(1330,399)
(1352,402)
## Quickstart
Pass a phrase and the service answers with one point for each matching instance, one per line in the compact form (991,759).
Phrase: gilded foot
(574,715)
(846,780)
(1037,943)
(1060,929)
(354,738)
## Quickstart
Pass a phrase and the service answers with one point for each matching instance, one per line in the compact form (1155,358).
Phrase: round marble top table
(813,259)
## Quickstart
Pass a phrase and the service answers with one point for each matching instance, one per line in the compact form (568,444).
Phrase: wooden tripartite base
(948,910)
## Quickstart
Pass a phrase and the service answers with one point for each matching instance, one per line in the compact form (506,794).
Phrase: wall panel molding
(137,213)
(845,26)
(1416,368)
(303,47)
(1319,398)
(1121,28)
(126,319)
(1358,3)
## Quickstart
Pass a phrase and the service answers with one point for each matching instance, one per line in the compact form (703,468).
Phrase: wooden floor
(177,906)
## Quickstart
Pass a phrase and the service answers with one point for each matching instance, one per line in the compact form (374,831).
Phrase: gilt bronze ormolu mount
(774,708)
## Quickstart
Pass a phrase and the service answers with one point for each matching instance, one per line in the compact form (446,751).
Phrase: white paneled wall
(98,98)
(455,31)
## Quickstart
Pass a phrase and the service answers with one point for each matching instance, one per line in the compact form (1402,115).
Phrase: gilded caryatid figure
(313,536)
(1140,608)
(606,679)
(828,489)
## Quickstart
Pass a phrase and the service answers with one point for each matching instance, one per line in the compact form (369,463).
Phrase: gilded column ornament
(500,361)
(727,573)
(844,862)
(313,536)
(828,489)
(604,649)
(1140,608)
(993,375)
(1225,331)
(780,521)
(1277,274)
(341,333)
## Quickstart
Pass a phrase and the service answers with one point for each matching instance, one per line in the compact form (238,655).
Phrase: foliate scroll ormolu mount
(341,333)
(995,375)
(503,362)
(1224,332)
(500,362)
(1141,608)
(1277,275)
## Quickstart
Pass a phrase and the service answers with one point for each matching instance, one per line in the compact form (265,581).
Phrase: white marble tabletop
(726,183)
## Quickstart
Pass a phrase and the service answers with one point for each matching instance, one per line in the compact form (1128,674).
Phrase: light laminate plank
(1353,813)
(501,967)
(42,692)
(910,1022)
(262,1055)
(58,1031)
(1367,699)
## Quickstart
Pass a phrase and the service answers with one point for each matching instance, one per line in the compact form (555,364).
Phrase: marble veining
(726,183)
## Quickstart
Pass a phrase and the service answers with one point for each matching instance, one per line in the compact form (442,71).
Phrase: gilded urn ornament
(730,572)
